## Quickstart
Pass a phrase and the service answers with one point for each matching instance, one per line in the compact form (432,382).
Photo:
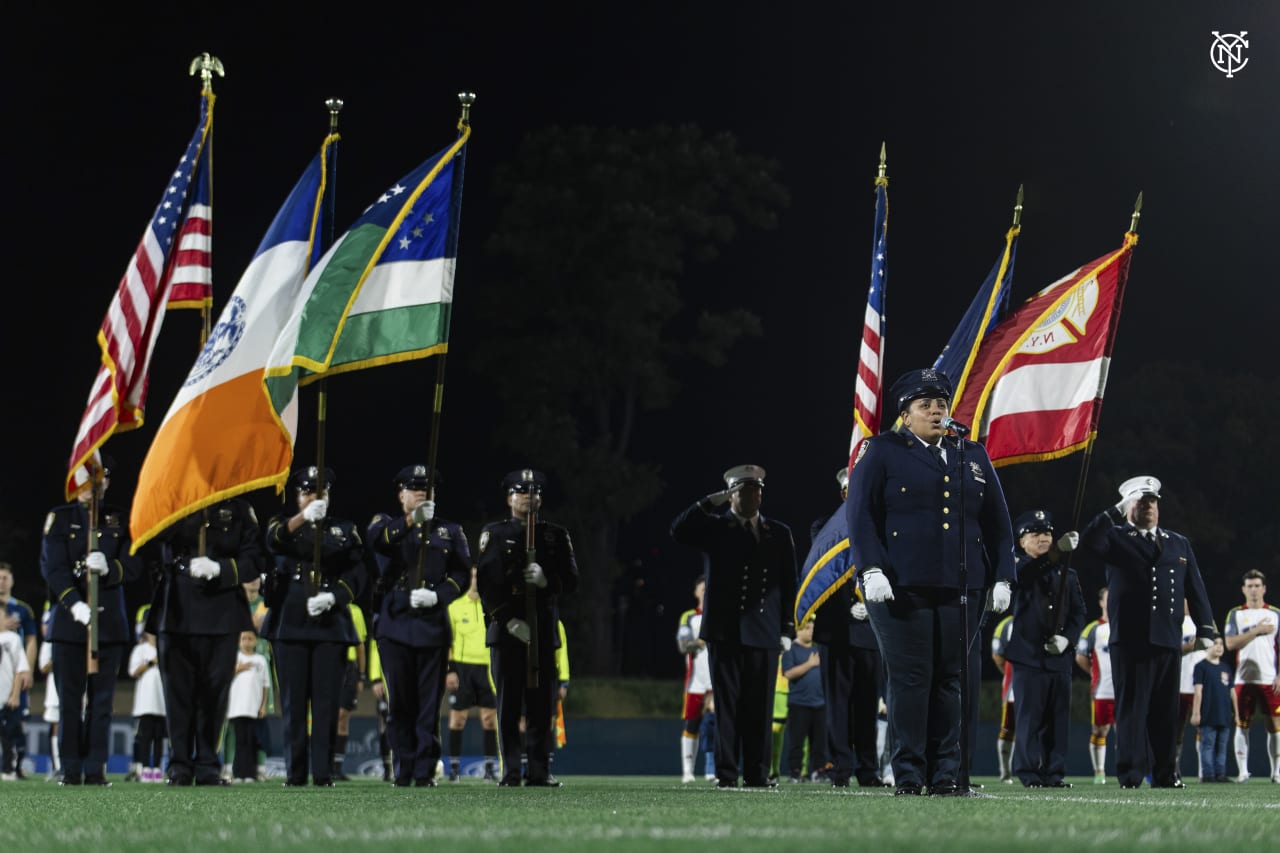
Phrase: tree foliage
(597,235)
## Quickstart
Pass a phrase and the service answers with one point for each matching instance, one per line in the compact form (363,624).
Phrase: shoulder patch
(484,541)
(862,451)
(48,523)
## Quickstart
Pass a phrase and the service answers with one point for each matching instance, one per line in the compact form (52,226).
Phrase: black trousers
(246,761)
(508,664)
(83,735)
(920,639)
(148,741)
(1147,680)
(310,675)
(743,680)
(414,679)
(197,670)
(806,723)
(851,684)
(1041,720)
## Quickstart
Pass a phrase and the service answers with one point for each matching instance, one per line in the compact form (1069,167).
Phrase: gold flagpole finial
(1017,209)
(207,66)
(466,99)
(334,105)
(883,160)
(1137,214)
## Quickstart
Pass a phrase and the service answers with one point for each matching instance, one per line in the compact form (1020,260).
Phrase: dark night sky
(1084,103)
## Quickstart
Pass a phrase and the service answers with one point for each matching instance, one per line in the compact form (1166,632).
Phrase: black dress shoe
(549,782)
(726,785)
(212,782)
(1130,785)
(323,783)
(178,781)
(403,783)
(424,783)
(70,779)
(1170,783)
(1058,783)
(908,789)
(294,783)
(948,789)
(839,783)
(96,779)
(1033,783)
(509,782)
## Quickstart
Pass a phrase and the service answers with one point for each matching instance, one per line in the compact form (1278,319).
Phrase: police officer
(309,621)
(517,592)
(852,676)
(748,616)
(424,563)
(913,493)
(1150,570)
(200,609)
(66,563)
(1039,649)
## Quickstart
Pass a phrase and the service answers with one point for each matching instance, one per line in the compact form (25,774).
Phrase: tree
(597,230)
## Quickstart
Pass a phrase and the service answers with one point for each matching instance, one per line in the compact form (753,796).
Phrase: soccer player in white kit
(1252,633)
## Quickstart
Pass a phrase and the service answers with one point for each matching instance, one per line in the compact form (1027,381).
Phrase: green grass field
(593,813)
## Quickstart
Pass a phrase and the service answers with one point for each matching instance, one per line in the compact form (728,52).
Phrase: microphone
(955,426)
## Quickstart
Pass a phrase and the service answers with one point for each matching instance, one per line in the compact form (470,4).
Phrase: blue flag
(985,312)
(827,567)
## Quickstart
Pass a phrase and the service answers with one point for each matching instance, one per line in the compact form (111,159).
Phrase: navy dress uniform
(424,564)
(1150,570)
(309,622)
(747,617)
(1042,657)
(199,611)
(83,736)
(852,675)
(913,493)
(504,575)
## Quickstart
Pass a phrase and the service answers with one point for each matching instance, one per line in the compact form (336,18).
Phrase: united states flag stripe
(127,335)
(867,391)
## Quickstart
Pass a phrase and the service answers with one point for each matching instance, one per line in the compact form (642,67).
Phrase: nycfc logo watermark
(1227,52)
(222,340)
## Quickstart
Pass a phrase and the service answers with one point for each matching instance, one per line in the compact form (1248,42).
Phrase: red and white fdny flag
(1035,388)
(128,332)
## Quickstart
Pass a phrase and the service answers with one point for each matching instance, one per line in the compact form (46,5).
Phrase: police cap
(744,474)
(305,479)
(415,477)
(919,383)
(1034,521)
(524,481)
(1136,487)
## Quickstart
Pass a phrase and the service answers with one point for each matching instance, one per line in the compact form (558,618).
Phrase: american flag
(867,391)
(128,332)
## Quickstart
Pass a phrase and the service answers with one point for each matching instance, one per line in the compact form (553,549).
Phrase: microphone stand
(962,778)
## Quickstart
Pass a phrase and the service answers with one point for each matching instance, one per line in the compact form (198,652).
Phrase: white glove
(719,498)
(1069,541)
(1057,644)
(785,642)
(204,568)
(424,512)
(316,510)
(423,598)
(534,574)
(876,586)
(97,562)
(320,602)
(81,612)
(519,629)
(1125,505)
(858,611)
(1001,595)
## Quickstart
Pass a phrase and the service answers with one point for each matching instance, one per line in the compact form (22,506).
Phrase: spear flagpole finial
(1017,208)
(466,99)
(334,105)
(1137,214)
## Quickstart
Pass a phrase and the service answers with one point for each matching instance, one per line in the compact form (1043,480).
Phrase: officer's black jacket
(446,568)
(62,553)
(1035,617)
(342,572)
(187,605)
(500,578)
